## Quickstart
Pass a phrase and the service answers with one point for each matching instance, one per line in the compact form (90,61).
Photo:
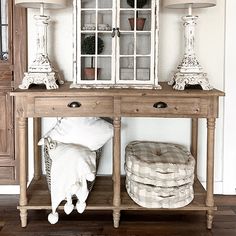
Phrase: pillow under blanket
(91,132)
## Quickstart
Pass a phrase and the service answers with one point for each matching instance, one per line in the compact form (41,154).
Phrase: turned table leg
(116,171)
(37,149)
(22,142)
(194,141)
(210,169)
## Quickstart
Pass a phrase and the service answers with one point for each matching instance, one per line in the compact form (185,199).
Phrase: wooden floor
(133,223)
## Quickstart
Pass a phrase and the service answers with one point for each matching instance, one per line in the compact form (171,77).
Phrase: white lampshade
(49,4)
(185,3)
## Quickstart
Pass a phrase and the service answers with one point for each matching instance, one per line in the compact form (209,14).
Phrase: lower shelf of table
(101,196)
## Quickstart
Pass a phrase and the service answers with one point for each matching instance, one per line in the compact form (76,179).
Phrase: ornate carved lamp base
(180,80)
(49,79)
(42,72)
(189,72)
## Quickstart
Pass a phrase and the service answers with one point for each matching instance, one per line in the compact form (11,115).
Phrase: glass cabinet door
(95,44)
(136,21)
(116,43)
(4,44)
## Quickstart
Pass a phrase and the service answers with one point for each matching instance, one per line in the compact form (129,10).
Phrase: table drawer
(163,106)
(73,106)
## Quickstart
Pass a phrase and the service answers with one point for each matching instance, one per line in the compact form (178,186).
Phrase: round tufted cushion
(161,182)
(159,197)
(156,163)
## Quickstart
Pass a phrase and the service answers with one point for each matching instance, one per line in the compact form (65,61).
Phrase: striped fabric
(160,182)
(159,175)
(159,161)
(159,197)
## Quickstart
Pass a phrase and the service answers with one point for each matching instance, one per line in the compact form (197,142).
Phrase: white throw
(72,166)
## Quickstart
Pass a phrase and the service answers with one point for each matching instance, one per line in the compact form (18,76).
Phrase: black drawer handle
(160,105)
(74,105)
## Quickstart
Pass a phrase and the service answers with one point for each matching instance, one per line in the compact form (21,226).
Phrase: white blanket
(72,166)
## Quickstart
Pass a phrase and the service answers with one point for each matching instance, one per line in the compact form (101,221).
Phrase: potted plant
(139,20)
(88,47)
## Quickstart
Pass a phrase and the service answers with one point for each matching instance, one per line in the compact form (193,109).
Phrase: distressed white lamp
(189,71)
(41,71)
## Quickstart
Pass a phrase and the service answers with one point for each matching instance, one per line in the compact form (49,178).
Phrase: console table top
(65,90)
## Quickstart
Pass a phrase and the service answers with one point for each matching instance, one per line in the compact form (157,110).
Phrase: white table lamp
(189,71)
(41,71)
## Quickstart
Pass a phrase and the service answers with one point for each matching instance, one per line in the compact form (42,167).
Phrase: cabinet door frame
(11,74)
(154,28)
(6,67)
(7,159)
(77,40)
(115,80)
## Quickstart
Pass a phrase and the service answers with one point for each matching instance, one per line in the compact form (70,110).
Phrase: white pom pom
(90,177)
(80,206)
(53,218)
(68,208)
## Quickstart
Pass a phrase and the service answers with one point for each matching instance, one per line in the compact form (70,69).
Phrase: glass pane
(88,4)
(125,18)
(4,30)
(143,68)
(139,3)
(104,44)
(88,44)
(127,44)
(88,70)
(104,20)
(88,20)
(143,46)
(143,20)
(105,3)
(4,11)
(127,68)
(104,68)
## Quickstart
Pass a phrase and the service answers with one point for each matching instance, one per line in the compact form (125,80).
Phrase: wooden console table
(109,192)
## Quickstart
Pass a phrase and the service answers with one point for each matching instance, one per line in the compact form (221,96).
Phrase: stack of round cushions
(159,175)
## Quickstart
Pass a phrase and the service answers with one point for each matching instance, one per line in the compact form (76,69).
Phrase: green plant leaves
(88,45)
(140,3)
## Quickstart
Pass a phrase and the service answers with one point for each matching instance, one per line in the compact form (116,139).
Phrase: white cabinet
(116,43)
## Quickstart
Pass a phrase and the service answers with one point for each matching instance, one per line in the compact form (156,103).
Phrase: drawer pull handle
(160,105)
(74,105)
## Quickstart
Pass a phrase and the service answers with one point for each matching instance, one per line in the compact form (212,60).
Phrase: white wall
(210,50)
(229,164)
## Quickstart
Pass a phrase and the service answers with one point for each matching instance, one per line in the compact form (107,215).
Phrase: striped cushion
(160,182)
(159,161)
(159,197)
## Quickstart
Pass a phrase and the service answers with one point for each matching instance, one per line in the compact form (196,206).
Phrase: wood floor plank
(133,223)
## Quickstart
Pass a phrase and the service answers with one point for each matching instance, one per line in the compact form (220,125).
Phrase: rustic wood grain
(7,162)
(101,198)
(20,53)
(166,91)
(11,72)
(116,103)
(19,44)
(6,110)
(133,223)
